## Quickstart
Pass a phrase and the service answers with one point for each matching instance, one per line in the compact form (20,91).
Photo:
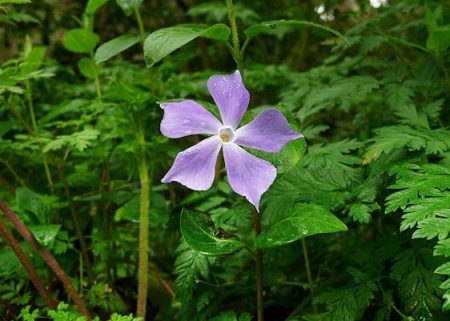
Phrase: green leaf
(93,5)
(114,47)
(188,266)
(45,234)
(80,40)
(128,6)
(288,157)
(198,232)
(392,138)
(2,2)
(87,67)
(163,42)
(131,209)
(269,26)
(78,140)
(29,201)
(303,220)
(439,39)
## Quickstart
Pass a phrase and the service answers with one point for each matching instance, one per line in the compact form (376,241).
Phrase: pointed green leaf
(199,234)
(114,47)
(163,42)
(45,234)
(304,220)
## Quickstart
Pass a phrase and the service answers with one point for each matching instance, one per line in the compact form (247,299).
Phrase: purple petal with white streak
(230,96)
(248,175)
(186,118)
(269,132)
(195,166)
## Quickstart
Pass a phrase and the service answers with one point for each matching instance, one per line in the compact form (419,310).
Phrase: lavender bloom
(248,175)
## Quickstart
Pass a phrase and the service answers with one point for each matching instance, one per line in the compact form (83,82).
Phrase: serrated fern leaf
(391,138)
(188,266)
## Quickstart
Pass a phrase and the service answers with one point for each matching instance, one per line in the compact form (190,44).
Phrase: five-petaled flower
(248,175)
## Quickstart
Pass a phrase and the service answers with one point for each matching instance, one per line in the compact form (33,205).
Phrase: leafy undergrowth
(356,225)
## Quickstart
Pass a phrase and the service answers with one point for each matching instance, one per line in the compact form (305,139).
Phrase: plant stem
(76,223)
(309,274)
(28,94)
(234,35)
(259,268)
(37,281)
(98,87)
(137,13)
(143,233)
(46,256)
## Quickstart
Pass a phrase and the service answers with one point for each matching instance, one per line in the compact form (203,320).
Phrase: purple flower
(194,167)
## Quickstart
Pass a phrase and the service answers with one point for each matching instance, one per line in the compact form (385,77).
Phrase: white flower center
(226,135)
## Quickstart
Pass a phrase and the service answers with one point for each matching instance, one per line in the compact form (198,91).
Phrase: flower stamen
(226,135)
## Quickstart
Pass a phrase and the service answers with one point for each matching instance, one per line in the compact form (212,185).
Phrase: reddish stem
(35,278)
(47,256)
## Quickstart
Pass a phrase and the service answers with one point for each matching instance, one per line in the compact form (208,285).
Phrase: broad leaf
(31,202)
(303,220)
(198,232)
(163,42)
(439,39)
(114,47)
(80,40)
(87,67)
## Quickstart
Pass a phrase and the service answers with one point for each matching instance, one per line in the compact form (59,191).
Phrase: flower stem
(28,267)
(309,275)
(236,48)
(143,234)
(259,269)
(46,256)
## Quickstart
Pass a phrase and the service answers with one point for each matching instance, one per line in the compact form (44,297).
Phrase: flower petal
(186,118)
(195,166)
(230,96)
(269,132)
(248,175)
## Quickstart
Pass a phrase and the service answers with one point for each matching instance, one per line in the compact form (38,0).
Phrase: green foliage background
(79,111)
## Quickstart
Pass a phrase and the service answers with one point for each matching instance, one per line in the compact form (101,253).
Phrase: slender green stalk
(236,48)
(143,230)
(98,87)
(28,94)
(309,274)
(137,13)
(259,269)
